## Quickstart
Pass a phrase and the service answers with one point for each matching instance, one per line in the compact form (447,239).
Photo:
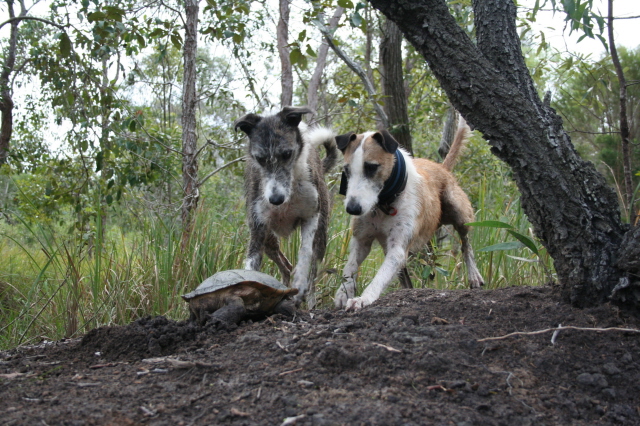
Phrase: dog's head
(368,162)
(275,144)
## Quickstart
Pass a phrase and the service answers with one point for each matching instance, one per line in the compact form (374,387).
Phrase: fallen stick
(567,327)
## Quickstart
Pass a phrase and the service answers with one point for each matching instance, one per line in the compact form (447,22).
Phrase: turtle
(230,296)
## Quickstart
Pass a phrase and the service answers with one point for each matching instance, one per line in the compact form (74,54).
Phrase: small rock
(319,420)
(600,380)
(611,369)
(586,379)
(393,399)
(483,390)
(609,393)
(457,384)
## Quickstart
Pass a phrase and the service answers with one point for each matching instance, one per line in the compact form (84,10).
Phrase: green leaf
(158,32)
(132,125)
(511,245)
(523,259)
(310,52)
(65,45)
(96,16)
(524,240)
(490,224)
(99,158)
(141,41)
(443,271)
(302,36)
(347,4)
(176,40)
(356,20)
(295,56)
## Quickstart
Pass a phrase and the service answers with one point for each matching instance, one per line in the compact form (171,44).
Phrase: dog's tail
(326,137)
(462,134)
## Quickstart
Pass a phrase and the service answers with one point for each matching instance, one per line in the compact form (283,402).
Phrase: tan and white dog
(400,202)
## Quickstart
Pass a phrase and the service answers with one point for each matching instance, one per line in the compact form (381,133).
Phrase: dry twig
(568,327)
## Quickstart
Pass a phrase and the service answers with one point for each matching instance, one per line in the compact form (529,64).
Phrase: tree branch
(31,18)
(220,168)
(368,85)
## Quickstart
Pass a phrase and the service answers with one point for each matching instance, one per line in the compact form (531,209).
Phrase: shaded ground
(412,358)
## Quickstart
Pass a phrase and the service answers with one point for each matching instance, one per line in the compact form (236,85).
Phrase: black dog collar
(392,188)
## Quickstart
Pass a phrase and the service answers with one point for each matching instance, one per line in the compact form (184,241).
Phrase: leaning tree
(573,210)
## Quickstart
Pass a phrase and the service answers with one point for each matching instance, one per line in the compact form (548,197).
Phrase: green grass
(54,284)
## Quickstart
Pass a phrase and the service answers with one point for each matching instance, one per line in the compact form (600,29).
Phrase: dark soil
(414,357)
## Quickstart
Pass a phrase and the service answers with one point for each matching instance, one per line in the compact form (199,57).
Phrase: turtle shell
(268,285)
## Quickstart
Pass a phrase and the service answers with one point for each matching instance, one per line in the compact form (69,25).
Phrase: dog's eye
(370,169)
(347,171)
(286,154)
(261,159)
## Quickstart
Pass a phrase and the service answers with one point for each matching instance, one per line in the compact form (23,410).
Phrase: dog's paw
(356,304)
(298,299)
(341,298)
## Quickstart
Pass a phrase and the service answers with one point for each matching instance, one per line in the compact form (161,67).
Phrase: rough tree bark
(572,209)
(286,97)
(395,99)
(189,136)
(321,62)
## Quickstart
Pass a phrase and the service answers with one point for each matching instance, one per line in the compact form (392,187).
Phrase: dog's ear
(344,140)
(293,115)
(247,123)
(386,141)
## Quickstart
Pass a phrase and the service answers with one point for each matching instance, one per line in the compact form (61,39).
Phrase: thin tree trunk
(572,209)
(624,123)
(189,136)
(395,99)
(321,62)
(368,45)
(448,132)
(6,101)
(286,97)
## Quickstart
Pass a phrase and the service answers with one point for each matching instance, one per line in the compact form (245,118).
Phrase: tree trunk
(395,99)
(189,136)
(286,97)
(321,62)
(448,132)
(624,122)
(572,209)
(6,101)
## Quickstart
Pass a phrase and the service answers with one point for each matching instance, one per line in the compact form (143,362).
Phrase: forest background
(106,217)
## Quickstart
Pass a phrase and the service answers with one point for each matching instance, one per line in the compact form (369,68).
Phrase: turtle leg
(286,307)
(231,313)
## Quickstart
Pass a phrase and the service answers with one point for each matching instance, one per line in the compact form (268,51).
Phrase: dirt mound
(144,338)
(415,357)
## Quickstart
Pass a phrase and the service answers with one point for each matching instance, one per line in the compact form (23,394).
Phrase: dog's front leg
(394,260)
(256,246)
(358,252)
(301,276)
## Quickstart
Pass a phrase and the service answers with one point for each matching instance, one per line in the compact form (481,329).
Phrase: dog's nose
(276,199)
(354,208)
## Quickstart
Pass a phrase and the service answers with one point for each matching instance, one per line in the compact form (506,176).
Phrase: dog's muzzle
(354,208)
(276,199)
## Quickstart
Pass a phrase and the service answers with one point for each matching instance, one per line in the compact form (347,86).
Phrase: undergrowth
(56,284)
